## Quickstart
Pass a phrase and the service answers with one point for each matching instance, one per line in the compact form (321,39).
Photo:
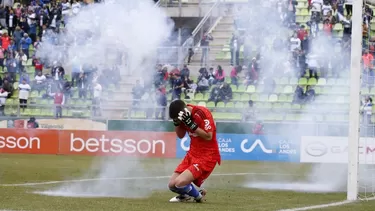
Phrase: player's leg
(182,196)
(183,182)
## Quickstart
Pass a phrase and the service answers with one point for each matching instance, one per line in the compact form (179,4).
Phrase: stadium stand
(280,104)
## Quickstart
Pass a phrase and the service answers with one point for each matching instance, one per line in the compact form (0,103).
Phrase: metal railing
(196,36)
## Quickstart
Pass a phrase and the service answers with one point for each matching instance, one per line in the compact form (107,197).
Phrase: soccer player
(203,155)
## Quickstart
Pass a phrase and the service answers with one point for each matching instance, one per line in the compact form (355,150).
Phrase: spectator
(40,82)
(302,33)
(8,77)
(249,112)
(210,76)
(326,8)
(11,65)
(185,73)
(25,76)
(2,56)
(215,94)
(234,74)
(258,128)
(367,60)
(3,96)
(327,27)
(21,59)
(161,99)
(12,22)
(137,91)
(38,66)
(225,93)
(234,50)
(202,84)
(17,37)
(3,16)
(205,43)
(59,101)
(25,44)
(295,43)
(76,6)
(298,95)
(219,75)
(310,94)
(5,40)
(57,71)
(349,7)
(32,123)
(83,85)
(97,88)
(24,89)
(43,19)
(367,110)
(177,86)
(190,46)
(67,88)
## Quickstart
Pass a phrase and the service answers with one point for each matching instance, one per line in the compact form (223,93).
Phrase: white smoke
(132,27)
(263,26)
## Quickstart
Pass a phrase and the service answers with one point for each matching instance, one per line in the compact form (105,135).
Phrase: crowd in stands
(312,49)
(24,29)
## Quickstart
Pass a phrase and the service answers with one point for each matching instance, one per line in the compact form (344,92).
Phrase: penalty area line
(131,178)
(322,206)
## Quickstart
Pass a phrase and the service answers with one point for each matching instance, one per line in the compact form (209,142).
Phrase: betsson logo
(11,142)
(116,145)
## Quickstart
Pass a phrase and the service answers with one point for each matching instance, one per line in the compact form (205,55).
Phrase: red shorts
(199,167)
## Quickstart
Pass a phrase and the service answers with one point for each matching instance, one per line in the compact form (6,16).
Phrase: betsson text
(12,142)
(115,145)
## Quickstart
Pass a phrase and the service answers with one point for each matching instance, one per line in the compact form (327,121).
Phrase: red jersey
(200,148)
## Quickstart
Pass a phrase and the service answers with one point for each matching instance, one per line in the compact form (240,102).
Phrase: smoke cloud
(265,30)
(134,29)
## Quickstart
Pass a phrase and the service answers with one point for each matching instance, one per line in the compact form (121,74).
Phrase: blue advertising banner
(250,147)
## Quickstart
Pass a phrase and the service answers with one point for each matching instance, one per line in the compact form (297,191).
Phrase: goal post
(354,112)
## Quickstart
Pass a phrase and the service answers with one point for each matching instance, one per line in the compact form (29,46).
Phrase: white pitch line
(322,206)
(130,178)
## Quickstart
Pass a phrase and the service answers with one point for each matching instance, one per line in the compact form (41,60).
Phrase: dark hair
(175,107)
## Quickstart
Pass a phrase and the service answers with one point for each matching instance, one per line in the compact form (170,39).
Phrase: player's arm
(203,134)
(201,128)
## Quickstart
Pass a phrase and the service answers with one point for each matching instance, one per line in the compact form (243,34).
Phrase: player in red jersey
(201,159)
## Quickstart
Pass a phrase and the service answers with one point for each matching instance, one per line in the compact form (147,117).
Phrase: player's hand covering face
(185,117)
(176,122)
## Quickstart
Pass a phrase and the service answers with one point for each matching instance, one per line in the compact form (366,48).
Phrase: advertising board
(331,149)
(87,142)
(250,147)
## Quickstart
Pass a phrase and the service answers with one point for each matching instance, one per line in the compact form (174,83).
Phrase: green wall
(281,128)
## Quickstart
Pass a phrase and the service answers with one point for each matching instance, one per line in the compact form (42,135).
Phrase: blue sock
(189,190)
(175,190)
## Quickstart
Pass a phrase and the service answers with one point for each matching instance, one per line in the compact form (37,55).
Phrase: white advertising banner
(331,149)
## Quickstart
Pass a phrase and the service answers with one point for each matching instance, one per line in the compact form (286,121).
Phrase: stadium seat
(229,105)
(277,106)
(198,96)
(202,104)
(288,89)
(246,97)
(220,105)
(293,81)
(210,105)
(284,81)
(322,82)
(255,97)
(250,89)
(302,81)
(241,88)
(239,105)
(283,98)
(233,87)
(312,82)
(273,98)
